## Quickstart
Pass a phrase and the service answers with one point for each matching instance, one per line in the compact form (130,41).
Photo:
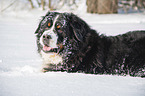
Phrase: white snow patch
(1,61)
(21,71)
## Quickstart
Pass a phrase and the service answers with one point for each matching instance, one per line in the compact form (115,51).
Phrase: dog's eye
(49,24)
(58,26)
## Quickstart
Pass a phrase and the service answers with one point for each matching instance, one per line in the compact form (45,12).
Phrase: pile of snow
(70,84)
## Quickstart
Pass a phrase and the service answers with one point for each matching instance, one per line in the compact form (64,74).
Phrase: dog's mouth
(48,49)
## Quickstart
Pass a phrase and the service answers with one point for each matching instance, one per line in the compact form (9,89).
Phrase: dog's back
(125,54)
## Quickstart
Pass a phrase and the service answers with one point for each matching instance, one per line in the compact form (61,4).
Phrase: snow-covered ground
(20,63)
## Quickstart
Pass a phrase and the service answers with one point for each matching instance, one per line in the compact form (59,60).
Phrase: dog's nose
(46,39)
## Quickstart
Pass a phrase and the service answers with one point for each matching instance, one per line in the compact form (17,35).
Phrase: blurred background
(90,6)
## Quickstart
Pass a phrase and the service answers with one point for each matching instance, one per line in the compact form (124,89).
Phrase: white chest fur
(51,58)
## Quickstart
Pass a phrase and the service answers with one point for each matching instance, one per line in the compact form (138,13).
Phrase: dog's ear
(77,31)
(77,26)
(37,30)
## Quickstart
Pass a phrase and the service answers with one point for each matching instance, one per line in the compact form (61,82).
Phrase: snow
(64,84)
(20,64)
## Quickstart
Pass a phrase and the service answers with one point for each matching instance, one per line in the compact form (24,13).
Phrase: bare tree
(102,6)
(134,5)
(107,6)
(8,6)
(43,4)
(31,3)
(38,3)
(92,6)
(49,4)
(139,4)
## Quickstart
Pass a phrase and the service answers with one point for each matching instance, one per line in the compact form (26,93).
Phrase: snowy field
(20,63)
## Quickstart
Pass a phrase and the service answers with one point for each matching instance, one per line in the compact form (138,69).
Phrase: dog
(67,43)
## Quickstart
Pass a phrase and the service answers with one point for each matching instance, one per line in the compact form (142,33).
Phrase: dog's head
(63,35)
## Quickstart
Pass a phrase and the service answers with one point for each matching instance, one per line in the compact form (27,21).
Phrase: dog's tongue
(46,48)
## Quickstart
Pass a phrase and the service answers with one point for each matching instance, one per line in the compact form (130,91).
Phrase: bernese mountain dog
(67,43)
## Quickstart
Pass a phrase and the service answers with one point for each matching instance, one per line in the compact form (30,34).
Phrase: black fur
(84,50)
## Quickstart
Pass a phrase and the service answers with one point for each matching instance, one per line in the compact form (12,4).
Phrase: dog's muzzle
(46,45)
(46,39)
